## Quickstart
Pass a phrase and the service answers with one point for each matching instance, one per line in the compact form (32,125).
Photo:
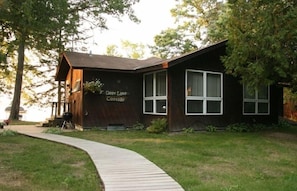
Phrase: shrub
(188,130)
(283,124)
(259,127)
(211,128)
(53,130)
(244,127)
(238,127)
(8,133)
(138,126)
(157,126)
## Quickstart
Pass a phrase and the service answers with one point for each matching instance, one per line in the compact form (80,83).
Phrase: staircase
(56,119)
(53,122)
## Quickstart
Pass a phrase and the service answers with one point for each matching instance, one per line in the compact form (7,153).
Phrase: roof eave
(60,74)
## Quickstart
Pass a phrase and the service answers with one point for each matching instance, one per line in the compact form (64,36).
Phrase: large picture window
(256,101)
(155,93)
(204,93)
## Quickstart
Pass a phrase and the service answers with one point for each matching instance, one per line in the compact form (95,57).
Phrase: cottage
(191,90)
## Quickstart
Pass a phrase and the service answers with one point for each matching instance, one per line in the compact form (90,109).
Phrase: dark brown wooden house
(191,91)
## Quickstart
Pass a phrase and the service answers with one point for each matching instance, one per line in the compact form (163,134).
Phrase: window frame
(256,100)
(154,98)
(204,98)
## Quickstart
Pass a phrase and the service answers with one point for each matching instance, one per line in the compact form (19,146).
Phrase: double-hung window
(256,101)
(204,93)
(155,93)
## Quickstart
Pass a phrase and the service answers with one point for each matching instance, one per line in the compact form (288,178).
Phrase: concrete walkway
(119,169)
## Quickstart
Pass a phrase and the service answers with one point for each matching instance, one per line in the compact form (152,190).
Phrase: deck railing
(59,108)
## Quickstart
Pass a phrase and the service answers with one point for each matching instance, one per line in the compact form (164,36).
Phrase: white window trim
(155,98)
(203,98)
(256,101)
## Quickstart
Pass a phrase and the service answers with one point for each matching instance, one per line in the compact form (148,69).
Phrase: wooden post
(59,98)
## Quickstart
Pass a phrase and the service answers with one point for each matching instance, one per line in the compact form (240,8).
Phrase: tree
(46,25)
(262,42)
(128,49)
(200,19)
(112,50)
(199,23)
(171,43)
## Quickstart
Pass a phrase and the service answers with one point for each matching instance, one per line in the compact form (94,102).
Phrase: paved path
(119,169)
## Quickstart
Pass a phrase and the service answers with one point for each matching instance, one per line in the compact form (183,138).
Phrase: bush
(244,127)
(188,130)
(157,126)
(211,128)
(238,127)
(53,130)
(282,124)
(8,133)
(138,126)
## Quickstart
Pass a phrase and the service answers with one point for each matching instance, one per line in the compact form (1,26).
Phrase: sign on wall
(116,96)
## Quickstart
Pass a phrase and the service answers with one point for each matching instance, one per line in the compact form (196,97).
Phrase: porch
(57,111)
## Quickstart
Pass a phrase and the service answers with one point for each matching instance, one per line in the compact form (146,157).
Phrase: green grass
(33,164)
(220,161)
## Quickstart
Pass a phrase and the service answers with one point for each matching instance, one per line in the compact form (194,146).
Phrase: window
(256,101)
(204,93)
(77,86)
(155,93)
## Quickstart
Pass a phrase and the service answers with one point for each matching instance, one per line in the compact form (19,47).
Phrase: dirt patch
(12,179)
(282,136)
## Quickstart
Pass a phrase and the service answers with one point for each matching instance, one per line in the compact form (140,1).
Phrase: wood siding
(103,110)
(121,102)
(232,97)
(75,97)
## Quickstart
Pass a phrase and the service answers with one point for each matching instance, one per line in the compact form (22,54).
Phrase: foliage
(138,126)
(157,126)
(8,132)
(289,96)
(188,130)
(127,49)
(262,41)
(199,23)
(53,131)
(238,127)
(290,103)
(245,127)
(133,50)
(211,128)
(171,43)
(94,86)
(201,19)
(282,124)
(47,26)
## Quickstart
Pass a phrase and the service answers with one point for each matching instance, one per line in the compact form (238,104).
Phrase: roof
(81,60)
(103,62)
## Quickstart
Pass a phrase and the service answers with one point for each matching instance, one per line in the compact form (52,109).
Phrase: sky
(154,15)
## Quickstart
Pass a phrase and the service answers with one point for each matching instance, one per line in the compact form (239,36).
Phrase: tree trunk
(15,107)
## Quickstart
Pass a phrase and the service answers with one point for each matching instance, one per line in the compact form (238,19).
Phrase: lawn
(34,164)
(218,161)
